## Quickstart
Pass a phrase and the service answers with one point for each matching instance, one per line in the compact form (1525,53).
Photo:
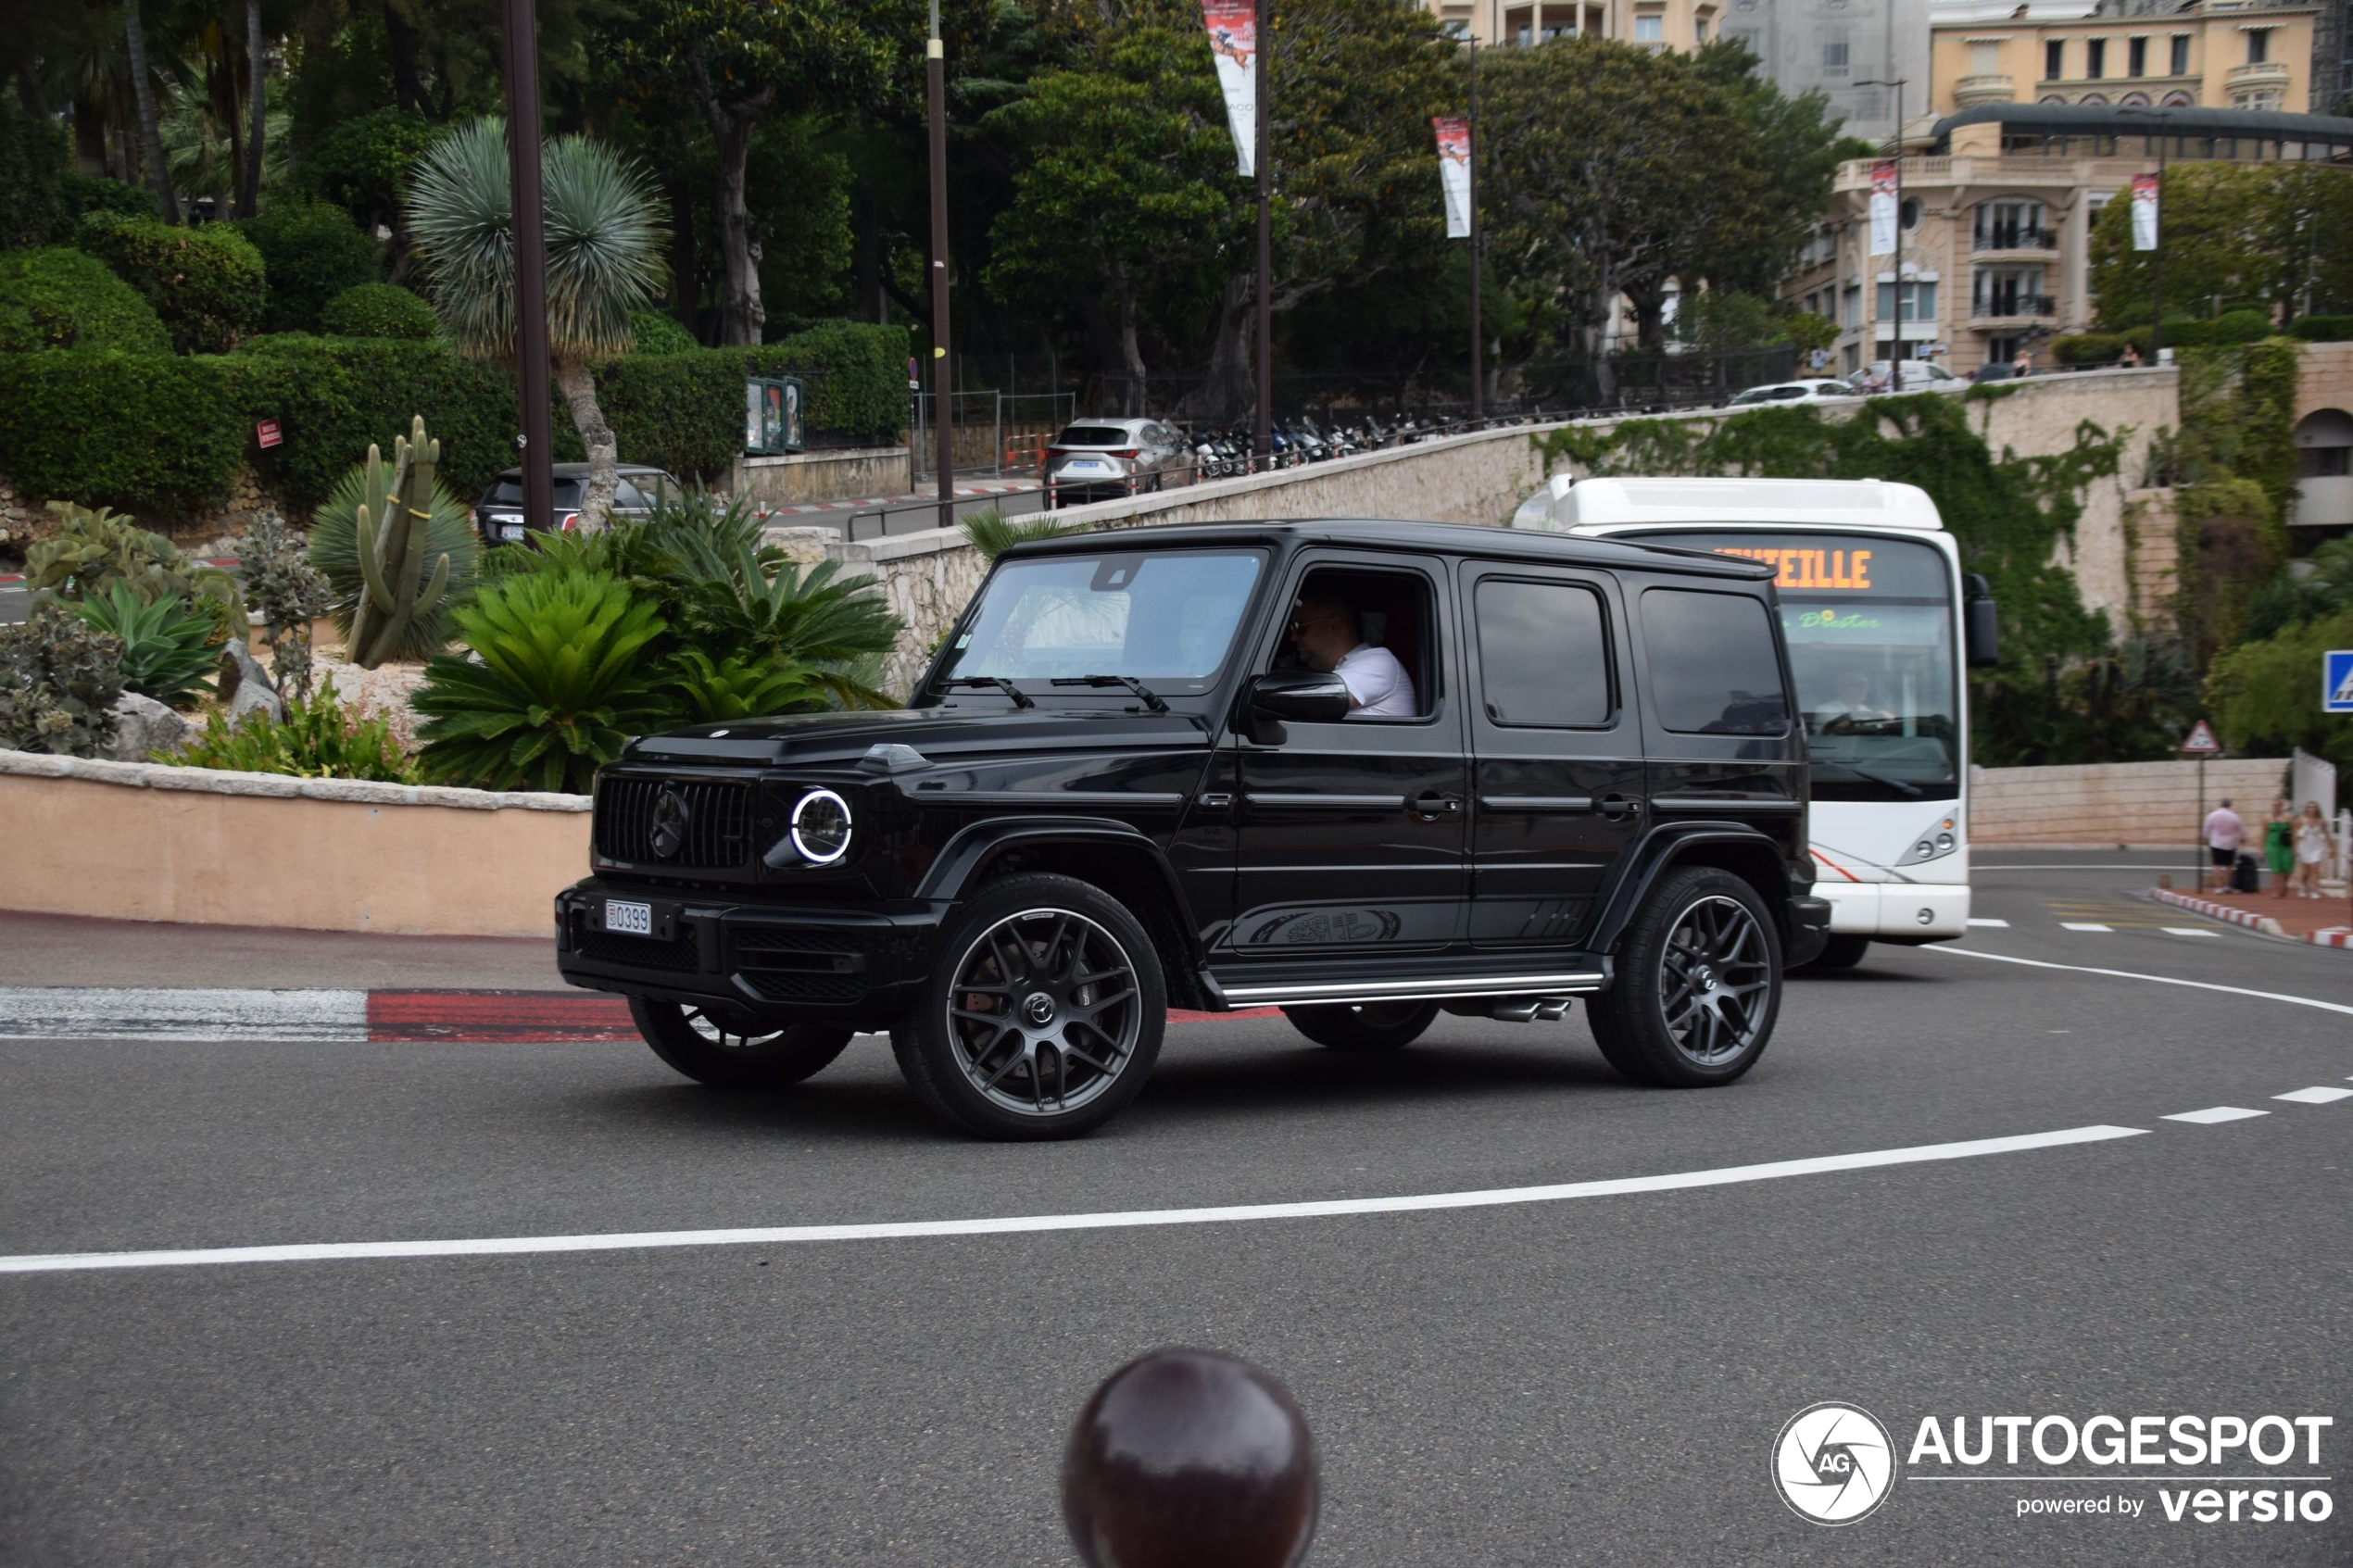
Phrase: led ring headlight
(821,827)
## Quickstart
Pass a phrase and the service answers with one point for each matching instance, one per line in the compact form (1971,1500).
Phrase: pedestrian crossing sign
(2201,739)
(2336,681)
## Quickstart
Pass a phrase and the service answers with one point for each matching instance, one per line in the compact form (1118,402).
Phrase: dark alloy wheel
(1843,950)
(729,1050)
(1363,1027)
(1044,1016)
(1698,984)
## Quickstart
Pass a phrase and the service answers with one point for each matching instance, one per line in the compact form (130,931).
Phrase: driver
(1853,706)
(1330,636)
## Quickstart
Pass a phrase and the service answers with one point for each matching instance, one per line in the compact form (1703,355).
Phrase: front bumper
(788,962)
(1898,912)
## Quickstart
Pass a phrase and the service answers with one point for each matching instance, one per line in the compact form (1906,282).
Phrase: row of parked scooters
(1221,454)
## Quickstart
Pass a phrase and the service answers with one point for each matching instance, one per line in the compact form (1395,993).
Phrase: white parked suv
(1812,389)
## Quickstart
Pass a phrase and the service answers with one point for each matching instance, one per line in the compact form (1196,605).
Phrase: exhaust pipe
(1528,1009)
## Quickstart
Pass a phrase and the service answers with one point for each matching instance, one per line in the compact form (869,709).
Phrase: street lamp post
(1895,295)
(1478,322)
(2157,252)
(528,232)
(943,411)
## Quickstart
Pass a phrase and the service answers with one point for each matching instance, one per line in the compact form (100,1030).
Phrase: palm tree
(606,229)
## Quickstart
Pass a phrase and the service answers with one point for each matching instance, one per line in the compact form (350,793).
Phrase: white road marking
(2131,974)
(2190,931)
(2083,926)
(117,1012)
(2319,1094)
(1982,920)
(61,1262)
(2215,1113)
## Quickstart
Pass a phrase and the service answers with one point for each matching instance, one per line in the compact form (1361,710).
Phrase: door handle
(1621,805)
(1430,808)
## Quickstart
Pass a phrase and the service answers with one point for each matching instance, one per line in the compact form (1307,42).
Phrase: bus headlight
(1934,844)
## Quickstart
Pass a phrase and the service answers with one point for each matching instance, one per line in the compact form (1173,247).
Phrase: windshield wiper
(1021,698)
(1883,780)
(1151,698)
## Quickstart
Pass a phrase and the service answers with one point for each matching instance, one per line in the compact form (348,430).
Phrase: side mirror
(1980,623)
(1309,697)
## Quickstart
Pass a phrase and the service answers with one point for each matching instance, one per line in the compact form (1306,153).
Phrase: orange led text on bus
(1813,568)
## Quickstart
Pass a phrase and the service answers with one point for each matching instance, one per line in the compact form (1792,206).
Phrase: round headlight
(821,827)
(1943,843)
(1924,850)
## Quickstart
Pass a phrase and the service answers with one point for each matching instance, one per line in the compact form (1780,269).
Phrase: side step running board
(1540,990)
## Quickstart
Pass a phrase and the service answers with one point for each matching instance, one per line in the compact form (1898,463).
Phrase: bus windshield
(1869,624)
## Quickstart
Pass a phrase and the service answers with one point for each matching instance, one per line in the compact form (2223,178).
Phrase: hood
(941,734)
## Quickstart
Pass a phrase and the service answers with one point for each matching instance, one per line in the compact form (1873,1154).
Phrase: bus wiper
(1882,780)
(1021,698)
(1151,698)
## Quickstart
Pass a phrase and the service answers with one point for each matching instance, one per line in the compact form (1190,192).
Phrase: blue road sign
(2336,681)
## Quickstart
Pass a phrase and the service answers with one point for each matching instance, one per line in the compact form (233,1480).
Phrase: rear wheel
(729,1050)
(1363,1027)
(1698,984)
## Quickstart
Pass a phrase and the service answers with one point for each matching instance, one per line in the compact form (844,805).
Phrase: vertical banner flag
(1233,40)
(1883,207)
(2144,212)
(1453,171)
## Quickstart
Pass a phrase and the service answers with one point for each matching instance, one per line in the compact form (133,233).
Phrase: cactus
(396,509)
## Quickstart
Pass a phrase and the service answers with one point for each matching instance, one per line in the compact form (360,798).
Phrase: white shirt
(1378,682)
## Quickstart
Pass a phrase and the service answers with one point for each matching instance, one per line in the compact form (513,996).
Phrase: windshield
(1166,618)
(1868,619)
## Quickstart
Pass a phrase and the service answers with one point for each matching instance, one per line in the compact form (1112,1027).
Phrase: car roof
(1404,536)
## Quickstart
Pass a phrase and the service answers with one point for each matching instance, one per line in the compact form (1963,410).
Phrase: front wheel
(1043,1017)
(726,1051)
(1363,1027)
(1698,984)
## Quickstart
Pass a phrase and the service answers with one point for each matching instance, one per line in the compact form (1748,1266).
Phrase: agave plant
(168,648)
(606,229)
(558,688)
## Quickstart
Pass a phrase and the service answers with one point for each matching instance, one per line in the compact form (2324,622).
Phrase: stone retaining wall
(141,841)
(825,474)
(2110,803)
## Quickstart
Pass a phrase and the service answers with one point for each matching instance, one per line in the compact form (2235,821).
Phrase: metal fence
(987,424)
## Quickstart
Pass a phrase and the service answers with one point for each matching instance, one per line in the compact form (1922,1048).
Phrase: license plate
(630,920)
(511,530)
(1088,467)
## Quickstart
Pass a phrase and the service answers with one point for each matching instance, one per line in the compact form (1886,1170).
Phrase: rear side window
(1093,435)
(1712,667)
(1544,656)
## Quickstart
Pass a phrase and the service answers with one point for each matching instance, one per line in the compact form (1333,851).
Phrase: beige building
(2211,54)
(1998,202)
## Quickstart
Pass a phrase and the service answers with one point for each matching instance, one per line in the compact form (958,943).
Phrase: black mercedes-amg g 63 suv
(1365,773)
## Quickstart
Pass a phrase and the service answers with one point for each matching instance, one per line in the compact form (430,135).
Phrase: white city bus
(1881,622)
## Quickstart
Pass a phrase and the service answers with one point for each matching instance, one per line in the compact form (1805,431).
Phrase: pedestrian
(2024,364)
(2315,846)
(2278,846)
(2131,358)
(2224,831)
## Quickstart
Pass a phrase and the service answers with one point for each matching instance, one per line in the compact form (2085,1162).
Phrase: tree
(143,89)
(1799,149)
(741,61)
(604,230)
(2273,232)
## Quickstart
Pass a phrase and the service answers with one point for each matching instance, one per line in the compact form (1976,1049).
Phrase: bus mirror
(1982,627)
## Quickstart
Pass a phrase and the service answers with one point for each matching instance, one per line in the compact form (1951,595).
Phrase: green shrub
(681,412)
(154,432)
(287,593)
(168,648)
(989,532)
(857,375)
(2324,329)
(659,332)
(380,310)
(80,195)
(362,165)
(92,551)
(315,740)
(33,167)
(714,691)
(207,284)
(310,252)
(2090,348)
(333,398)
(60,678)
(558,691)
(334,550)
(63,298)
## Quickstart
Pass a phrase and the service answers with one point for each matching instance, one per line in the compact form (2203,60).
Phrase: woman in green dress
(2279,848)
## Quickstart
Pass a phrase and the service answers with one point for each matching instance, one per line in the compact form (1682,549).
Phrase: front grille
(681,954)
(715,833)
(800,966)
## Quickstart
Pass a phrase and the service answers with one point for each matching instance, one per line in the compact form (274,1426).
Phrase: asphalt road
(1594,1380)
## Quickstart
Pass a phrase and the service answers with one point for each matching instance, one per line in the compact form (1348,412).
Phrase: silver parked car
(1812,389)
(1102,459)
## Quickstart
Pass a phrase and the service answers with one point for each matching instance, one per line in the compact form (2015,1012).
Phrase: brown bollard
(1191,1458)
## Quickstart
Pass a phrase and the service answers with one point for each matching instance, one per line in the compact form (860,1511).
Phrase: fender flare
(958,862)
(1663,848)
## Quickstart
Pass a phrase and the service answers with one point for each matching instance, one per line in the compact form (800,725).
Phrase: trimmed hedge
(205,283)
(312,253)
(2233,326)
(143,432)
(332,396)
(661,333)
(680,413)
(857,375)
(61,298)
(380,310)
(2324,329)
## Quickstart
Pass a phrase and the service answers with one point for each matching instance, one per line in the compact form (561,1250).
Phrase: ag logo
(669,824)
(1835,1463)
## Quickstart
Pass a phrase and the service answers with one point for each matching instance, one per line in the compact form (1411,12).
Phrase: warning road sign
(2201,739)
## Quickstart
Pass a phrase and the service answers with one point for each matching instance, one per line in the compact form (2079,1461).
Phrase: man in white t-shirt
(1330,636)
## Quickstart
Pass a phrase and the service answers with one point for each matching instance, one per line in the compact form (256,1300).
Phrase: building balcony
(2263,75)
(2012,307)
(2014,240)
(1973,89)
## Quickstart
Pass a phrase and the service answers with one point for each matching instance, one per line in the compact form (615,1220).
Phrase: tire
(715,1048)
(976,1054)
(1843,950)
(1363,1027)
(1698,984)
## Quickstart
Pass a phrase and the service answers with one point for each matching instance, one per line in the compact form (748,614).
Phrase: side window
(1712,667)
(627,495)
(1543,655)
(1374,628)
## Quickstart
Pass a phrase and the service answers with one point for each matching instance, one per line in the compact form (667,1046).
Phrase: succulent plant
(287,592)
(95,549)
(168,648)
(58,681)
(398,551)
